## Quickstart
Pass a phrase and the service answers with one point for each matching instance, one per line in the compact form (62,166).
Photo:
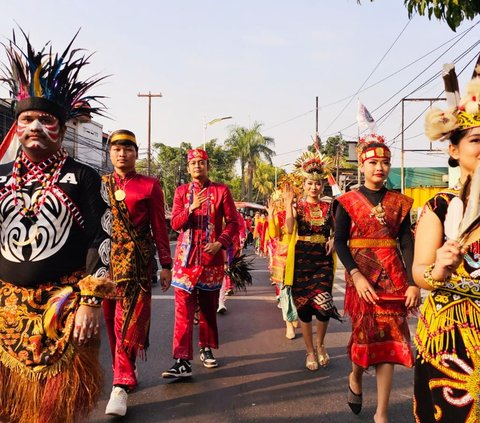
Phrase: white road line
(270,298)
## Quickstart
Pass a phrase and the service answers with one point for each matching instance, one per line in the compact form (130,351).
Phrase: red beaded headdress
(368,148)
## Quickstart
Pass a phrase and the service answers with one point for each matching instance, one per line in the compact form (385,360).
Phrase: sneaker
(221,308)
(117,405)
(181,368)
(229,292)
(207,358)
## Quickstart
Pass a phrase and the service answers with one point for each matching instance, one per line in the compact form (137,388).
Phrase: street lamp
(212,122)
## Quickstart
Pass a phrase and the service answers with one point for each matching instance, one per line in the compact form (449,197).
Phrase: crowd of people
(74,244)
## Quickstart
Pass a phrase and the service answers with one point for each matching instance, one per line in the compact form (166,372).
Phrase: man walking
(138,213)
(53,247)
(205,215)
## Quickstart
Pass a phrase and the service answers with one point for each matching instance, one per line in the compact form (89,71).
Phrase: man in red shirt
(138,214)
(200,209)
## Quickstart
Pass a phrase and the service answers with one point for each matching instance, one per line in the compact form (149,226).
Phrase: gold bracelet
(434,283)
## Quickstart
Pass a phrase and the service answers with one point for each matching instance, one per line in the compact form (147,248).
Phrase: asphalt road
(261,375)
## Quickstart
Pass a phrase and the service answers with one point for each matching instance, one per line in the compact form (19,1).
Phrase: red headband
(379,152)
(373,151)
(197,153)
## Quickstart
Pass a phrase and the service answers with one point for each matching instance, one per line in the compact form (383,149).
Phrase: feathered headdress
(461,113)
(313,165)
(50,82)
(372,146)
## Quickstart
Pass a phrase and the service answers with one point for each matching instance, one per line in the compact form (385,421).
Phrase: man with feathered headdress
(53,246)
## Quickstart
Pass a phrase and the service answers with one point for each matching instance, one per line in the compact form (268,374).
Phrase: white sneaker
(117,406)
(221,308)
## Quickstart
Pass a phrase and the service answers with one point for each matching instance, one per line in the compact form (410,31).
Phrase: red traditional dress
(196,273)
(138,220)
(380,332)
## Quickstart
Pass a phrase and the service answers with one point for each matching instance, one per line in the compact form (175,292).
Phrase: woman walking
(311,272)
(380,287)
(280,240)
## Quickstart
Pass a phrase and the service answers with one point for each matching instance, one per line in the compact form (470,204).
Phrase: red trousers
(123,362)
(185,305)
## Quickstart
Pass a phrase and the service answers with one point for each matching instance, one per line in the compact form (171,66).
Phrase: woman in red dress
(370,224)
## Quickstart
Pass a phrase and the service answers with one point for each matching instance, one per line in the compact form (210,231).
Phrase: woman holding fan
(447,252)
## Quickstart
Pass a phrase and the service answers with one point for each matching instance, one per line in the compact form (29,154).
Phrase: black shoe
(354,400)
(207,358)
(181,368)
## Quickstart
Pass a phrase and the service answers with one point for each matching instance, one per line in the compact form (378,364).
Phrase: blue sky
(262,60)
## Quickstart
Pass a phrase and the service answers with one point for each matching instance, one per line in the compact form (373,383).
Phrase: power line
(459,35)
(368,77)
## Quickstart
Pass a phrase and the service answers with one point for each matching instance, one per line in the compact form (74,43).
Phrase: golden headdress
(313,165)
(461,114)
(291,179)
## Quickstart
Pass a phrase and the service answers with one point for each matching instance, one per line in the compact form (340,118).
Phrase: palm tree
(263,180)
(249,145)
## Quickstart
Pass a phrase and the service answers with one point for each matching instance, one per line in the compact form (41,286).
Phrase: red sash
(371,261)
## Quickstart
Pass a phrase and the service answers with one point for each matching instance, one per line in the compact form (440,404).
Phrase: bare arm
(290,214)
(430,248)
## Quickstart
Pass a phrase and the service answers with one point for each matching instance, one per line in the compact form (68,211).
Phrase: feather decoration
(453,218)
(239,271)
(54,311)
(470,225)
(452,91)
(51,76)
(472,208)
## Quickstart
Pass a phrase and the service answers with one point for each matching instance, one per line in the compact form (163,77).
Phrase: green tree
(169,166)
(454,12)
(235,188)
(248,145)
(263,181)
(222,162)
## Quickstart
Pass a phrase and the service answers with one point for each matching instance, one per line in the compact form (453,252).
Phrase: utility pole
(149,95)
(317,138)
(403,149)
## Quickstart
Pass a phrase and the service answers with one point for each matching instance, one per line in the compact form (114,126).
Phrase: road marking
(270,298)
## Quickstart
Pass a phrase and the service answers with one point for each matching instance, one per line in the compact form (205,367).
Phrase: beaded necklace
(47,180)
(313,214)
